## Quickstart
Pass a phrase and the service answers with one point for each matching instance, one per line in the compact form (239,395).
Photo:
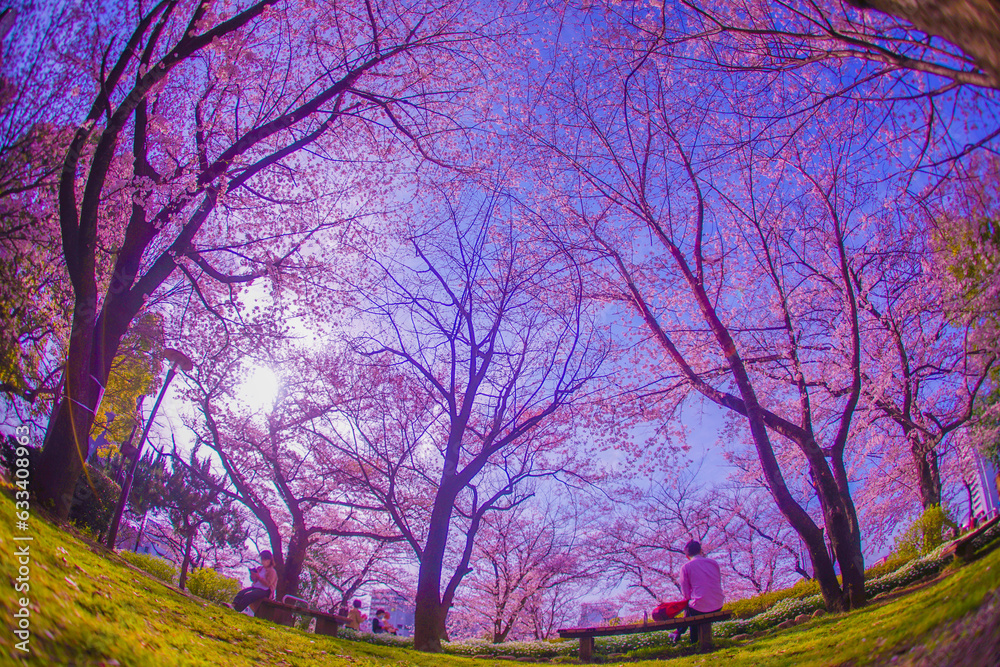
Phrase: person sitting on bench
(701,586)
(264,580)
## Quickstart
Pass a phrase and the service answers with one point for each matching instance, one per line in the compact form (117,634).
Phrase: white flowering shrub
(915,570)
(910,572)
(470,647)
(519,649)
(382,639)
(782,611)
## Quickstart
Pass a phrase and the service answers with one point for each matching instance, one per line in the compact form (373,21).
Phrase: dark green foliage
(8,455)
(890,565)
(149,485)
(197,508)
(94,501)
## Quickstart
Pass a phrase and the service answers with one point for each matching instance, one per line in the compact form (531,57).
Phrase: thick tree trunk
(925,462)
(838,510)
(802,523)
(811,534)
(843,529)
(971,25)
(839,515)
(93,346)
(65,449)
(288,581)
(431,613)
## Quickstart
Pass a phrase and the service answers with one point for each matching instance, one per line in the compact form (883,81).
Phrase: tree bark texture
(971,25)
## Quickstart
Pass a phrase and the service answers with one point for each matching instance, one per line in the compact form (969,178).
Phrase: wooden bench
(284,614)
(961,548)
(702,621)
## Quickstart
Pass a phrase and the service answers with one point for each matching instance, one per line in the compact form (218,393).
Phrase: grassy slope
(88,609)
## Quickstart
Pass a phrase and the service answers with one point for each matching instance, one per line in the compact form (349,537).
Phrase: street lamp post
(176,358)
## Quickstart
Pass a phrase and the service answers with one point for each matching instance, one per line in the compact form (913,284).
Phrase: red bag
(668,610)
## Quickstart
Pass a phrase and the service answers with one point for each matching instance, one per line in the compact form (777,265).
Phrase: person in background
(354,616)
(263,582)
(377,626)
(701,586)
(386,625)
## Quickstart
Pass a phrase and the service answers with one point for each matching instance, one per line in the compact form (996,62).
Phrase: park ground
(88,607)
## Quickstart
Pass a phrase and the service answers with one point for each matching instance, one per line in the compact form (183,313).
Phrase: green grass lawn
(89,608)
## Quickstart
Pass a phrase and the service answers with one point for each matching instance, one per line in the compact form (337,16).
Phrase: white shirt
(701,584)
(265,573)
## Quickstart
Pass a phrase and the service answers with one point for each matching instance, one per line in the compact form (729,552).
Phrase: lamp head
(179,358)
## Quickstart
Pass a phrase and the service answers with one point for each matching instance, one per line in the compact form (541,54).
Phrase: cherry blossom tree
(956,42)
(186,123)
(521,558)
(37,300)
(933,68)
(735,247)
(929,364)
(338,569)
(761,552)
(966,258)
(923,375)
(641,543)
(489,335)
(275,466)
(971,26)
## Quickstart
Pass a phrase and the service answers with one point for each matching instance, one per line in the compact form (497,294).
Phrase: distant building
(981,476)
(597,613)
(400,610)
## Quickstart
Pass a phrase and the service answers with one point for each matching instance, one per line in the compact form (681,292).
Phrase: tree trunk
(800,520)
(288,581)
(925,462)
(839,515)
(971,25)
(142,528)
(845,534)
(812,537)
(65,449)
(92,348)
(186,563)
(430,613)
